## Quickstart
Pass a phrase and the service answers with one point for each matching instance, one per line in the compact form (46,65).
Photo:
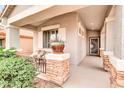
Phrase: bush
(7,52)
(16,72)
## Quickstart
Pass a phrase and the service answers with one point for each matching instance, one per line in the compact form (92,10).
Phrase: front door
(94,45)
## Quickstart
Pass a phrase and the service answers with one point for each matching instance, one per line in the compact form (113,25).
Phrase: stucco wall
(26,44)
(123,32)
(102,37)
(118,32)
(26,39)
(81,42)
(91,34)
(70,23)
(110,35)
(26,32)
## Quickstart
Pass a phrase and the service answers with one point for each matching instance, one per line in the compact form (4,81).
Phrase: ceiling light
(92,23)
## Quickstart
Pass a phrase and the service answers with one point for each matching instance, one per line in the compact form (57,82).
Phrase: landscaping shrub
(16,72)
(7,52)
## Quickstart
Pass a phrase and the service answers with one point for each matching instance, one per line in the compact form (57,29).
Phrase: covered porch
(75,25)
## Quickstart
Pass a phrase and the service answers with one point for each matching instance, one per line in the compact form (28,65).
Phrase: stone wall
(57,68)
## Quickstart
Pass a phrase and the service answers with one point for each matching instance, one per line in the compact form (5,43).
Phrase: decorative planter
(58,49)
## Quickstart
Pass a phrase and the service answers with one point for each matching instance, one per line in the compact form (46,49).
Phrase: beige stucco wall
(91,34)
(26,44)
(110,35)
(26,32)
(102,37)
(70,23)
(81,41)
(123,33)
(26,40)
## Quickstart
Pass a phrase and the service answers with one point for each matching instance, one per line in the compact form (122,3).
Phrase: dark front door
(94,46)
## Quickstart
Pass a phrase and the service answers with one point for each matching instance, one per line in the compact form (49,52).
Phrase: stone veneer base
(58,67)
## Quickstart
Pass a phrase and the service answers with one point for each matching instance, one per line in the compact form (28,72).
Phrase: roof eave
(6,11)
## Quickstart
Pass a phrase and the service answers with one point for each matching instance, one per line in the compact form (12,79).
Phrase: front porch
(77,26)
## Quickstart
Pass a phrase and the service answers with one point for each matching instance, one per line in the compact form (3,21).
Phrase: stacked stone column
(57,69)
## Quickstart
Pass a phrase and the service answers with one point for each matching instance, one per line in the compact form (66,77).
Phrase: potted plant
(57,45)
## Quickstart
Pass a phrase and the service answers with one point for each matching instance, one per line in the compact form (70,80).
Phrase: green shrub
(16,72)
(7,52)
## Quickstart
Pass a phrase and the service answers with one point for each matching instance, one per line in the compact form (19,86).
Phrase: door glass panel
(94,46)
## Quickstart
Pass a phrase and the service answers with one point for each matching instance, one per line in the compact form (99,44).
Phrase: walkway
(89,74)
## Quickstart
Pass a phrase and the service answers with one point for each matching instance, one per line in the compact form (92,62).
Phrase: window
(47,35)
(0,42)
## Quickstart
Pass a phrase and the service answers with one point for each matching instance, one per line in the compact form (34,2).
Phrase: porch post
(35,40)
(122,33)
(109,34)
(12,37)
(119,32)
(115,32)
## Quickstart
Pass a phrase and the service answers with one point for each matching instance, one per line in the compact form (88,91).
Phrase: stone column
(12,37)
(58,67)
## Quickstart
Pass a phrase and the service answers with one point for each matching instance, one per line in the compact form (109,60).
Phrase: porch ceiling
(94,16)
(37,18)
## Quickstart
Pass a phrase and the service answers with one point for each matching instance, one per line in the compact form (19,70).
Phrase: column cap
(57,57)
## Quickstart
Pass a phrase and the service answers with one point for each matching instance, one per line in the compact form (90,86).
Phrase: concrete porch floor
(88,74)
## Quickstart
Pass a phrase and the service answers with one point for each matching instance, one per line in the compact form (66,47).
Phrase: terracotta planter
(58,49)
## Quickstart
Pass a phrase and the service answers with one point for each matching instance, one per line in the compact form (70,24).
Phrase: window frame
(55,30)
